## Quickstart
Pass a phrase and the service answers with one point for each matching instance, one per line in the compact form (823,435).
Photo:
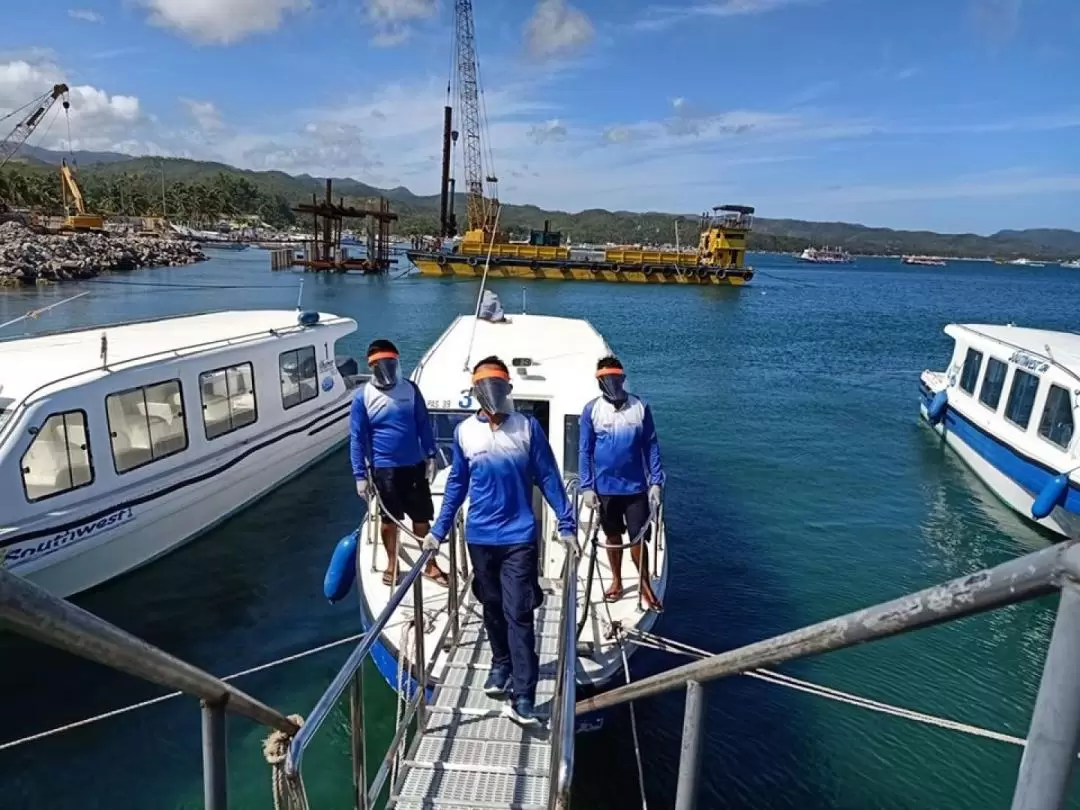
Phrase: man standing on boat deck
(619,466)
(499,455)
(390,432)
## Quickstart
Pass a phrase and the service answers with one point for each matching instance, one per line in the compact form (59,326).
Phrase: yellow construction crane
(80,220)
(26,125)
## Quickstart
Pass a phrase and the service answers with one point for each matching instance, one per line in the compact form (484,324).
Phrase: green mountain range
(201,192)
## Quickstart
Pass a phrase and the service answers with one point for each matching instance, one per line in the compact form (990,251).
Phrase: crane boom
(26,125)
(481,211)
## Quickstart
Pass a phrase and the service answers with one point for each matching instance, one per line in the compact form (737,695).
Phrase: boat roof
(61,359)
(563,352)
(1060,348)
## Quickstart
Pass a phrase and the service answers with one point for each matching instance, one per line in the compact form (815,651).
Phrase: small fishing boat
(1023,262)
(1073,265)
(925,261)
(119,443)
(553,363)
(1006,406)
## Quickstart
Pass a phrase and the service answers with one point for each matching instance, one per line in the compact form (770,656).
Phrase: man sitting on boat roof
(390,432)
(499,455)
(619,464)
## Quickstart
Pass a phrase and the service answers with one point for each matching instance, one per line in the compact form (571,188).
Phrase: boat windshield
(443,424)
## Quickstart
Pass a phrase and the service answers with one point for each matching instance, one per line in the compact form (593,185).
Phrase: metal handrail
(353,663)
(1050,750)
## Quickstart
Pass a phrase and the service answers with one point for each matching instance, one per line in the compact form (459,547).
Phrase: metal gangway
(440,755)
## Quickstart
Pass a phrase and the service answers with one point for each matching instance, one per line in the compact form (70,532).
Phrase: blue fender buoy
(936,411)
(341,573)
(1053,494)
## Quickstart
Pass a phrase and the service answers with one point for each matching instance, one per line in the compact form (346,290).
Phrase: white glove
(362,487)
(588,497)
(568,540)
(431,468)
(654,496)
(431,543)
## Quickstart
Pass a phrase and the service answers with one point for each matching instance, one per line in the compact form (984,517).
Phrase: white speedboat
(1073,265)
(1006,406)
(119,443)
(553,366)
(825,255)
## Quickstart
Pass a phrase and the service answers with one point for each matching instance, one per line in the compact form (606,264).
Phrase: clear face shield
(612,384)
(491,387)
(384,369)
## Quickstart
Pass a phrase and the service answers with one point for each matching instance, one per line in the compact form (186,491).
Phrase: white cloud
(551,130)
(392,20)
(85,15)
(205,113)
(97,118)
(557,29)
(658,17)
(221,22)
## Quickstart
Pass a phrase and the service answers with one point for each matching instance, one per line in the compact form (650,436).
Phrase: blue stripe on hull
(1029,473)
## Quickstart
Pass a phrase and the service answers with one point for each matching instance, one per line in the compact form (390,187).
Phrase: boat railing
(1050,751)
(31,611)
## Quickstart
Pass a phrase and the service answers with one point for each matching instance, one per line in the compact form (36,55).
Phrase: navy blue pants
(506,581)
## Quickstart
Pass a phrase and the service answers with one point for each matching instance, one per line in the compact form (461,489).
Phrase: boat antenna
(300,296)
(483,282)
(33,313)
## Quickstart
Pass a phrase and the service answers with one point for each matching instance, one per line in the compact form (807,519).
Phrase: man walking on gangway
(499,455)
(620,471)
(389,429)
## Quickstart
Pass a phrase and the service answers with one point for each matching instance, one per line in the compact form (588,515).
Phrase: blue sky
(951,115)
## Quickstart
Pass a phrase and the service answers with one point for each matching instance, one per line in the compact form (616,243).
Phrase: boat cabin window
(1056,424)
(299,377)
(146,424)
(993,383)
(228,399)
(7,408)
(58,459)
(443,424)
(970,375)
(571,436)
(1021,398)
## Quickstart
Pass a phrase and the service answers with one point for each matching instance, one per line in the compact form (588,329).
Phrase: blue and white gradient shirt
(496,470)
(389,428)
(618,452)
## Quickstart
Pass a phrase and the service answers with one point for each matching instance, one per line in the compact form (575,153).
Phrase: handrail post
(1050,754)
(214,756)
(419,664)
(359,741)
(690,754)
(452,596)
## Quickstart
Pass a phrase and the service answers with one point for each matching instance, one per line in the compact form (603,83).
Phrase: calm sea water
(801,487)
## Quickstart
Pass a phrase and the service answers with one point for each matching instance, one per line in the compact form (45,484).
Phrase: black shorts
(405,491)
(624,513)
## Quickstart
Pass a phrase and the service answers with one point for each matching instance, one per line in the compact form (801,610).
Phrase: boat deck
(468,754)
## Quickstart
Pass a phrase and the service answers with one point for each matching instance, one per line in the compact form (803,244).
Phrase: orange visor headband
(607,372)
(382,356)
(487,374)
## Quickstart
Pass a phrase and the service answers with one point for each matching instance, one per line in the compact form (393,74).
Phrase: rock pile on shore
(27,257)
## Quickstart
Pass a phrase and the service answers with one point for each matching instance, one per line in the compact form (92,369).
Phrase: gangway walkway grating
(468,753)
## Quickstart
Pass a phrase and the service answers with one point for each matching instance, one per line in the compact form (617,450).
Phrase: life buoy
(534,265)
(472,262)
(441,261)
(617,268)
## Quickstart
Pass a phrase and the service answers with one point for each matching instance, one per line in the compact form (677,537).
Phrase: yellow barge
(720,257)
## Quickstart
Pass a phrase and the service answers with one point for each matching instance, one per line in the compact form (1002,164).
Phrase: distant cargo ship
(928,261)
(825,255)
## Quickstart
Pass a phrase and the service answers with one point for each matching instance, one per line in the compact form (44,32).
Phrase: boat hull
(1001,467)
(441,265)
(127,534)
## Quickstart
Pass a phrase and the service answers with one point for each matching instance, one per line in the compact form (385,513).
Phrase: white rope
(646,639)
(288,792)
(162,698)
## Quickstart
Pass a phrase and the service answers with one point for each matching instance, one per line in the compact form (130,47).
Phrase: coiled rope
(289,793)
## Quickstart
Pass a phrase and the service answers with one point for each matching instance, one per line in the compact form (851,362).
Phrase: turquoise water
(801,486)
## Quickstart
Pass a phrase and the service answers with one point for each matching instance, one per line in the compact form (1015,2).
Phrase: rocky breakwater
(27,257)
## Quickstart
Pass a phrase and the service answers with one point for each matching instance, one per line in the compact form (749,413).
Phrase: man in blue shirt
(620,470)
(499,455)
(390,432)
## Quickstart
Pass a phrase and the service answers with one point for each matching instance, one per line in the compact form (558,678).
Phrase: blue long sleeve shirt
(496,470)
(618,451)
(389,428)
